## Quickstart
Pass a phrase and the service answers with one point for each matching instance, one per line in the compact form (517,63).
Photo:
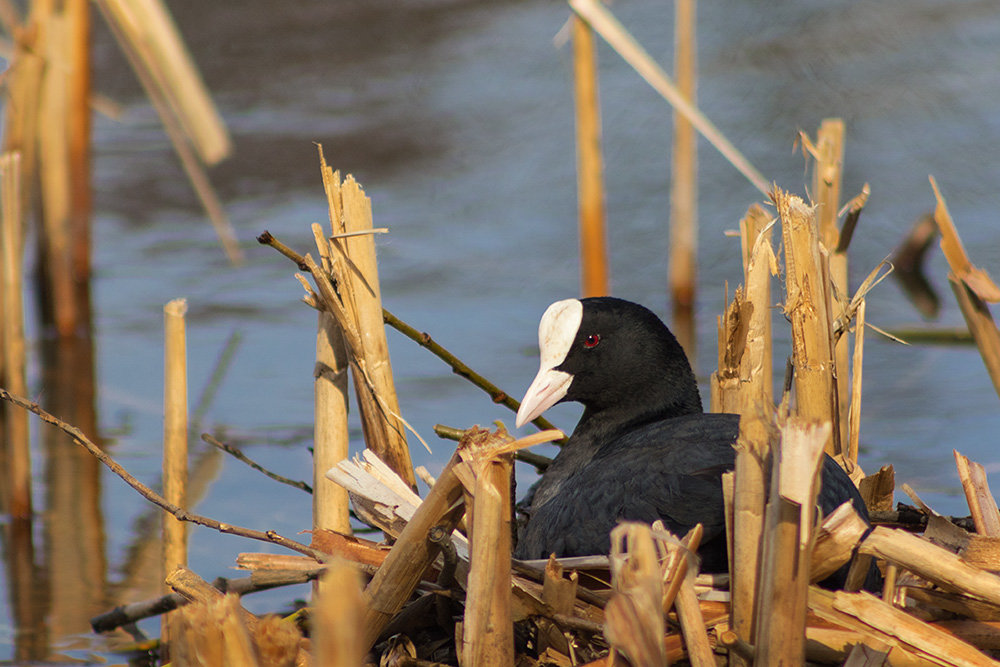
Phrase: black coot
(643,449)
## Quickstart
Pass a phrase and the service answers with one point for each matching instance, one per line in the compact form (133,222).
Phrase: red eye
(591,341)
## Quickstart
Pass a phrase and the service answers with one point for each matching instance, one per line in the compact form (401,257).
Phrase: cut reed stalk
(212,633)
(827,174)
(175,445)
(130,36)
(807,308)
(337,617)
(590,164)
(358,310)
(79,131)
(330,443)
(973,288)
(683,261)
(634,622)
(14,424)
(784,578)
(854,412)
(147,31)
(58,289)
(488,628)
(982,504)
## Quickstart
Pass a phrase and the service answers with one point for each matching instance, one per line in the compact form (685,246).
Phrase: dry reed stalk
(330,436)
(877,489)
(590,164)
(699,650)
(977,493)
(784,576)
(212,633)
(78,139)
(413,553)
(836,538)
(683,261)
(973,288)
(867,614)
(24,85)
(146,30)
(854,410)
(634,623)
(359,314)
(175,444)
(931,562)
(606,25)
(828,151)
(732,335)
(488,628)
(124,24)
(337,618)
(60,306)
(14,425)
(807,308)
(759,264)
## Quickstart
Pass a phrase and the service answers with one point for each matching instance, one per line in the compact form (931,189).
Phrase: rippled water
(457,118)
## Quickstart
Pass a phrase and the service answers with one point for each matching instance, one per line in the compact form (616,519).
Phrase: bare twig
(179,513)
(240,456)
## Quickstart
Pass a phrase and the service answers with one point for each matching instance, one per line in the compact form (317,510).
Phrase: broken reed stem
(488,628)
(178,512)
(982,504)
(827,174)
(154,64)
(682,264)
(981,325)
(415,549)
(175,445)
(212,633)
(337,616)
(605,24)
(806,307)
(854,411)
(358,310)
(330,436)
(14,423)
(590,164)
(784,580)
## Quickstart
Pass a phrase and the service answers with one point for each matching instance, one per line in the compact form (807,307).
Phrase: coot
(643,448)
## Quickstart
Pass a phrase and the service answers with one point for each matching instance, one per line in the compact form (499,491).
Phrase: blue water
(457,119)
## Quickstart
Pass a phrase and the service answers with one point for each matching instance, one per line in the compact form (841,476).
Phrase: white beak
(547,389)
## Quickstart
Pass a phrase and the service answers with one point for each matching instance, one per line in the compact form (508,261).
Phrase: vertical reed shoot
(590,164)
(683,261)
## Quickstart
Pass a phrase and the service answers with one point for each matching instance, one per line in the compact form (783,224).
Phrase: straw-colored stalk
(175,444)
(689,611)
(807,308)
(212,633)
(146,29)
(634,622)
(413,552)
(982,504)
(24,85)
(854,411)
(759,264)
(973,288)
(836,538)
(784,576)
(827,174)
(79,136)
(931,562)
(488,628)
(54,180)
(732,334)
(337,617)
(14,424)
(608,27)
(867,614)
(153,63)
(589,163)
(683,261)
(330,436)
(359,314)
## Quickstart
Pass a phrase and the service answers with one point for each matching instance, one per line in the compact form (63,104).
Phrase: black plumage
(643,448)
